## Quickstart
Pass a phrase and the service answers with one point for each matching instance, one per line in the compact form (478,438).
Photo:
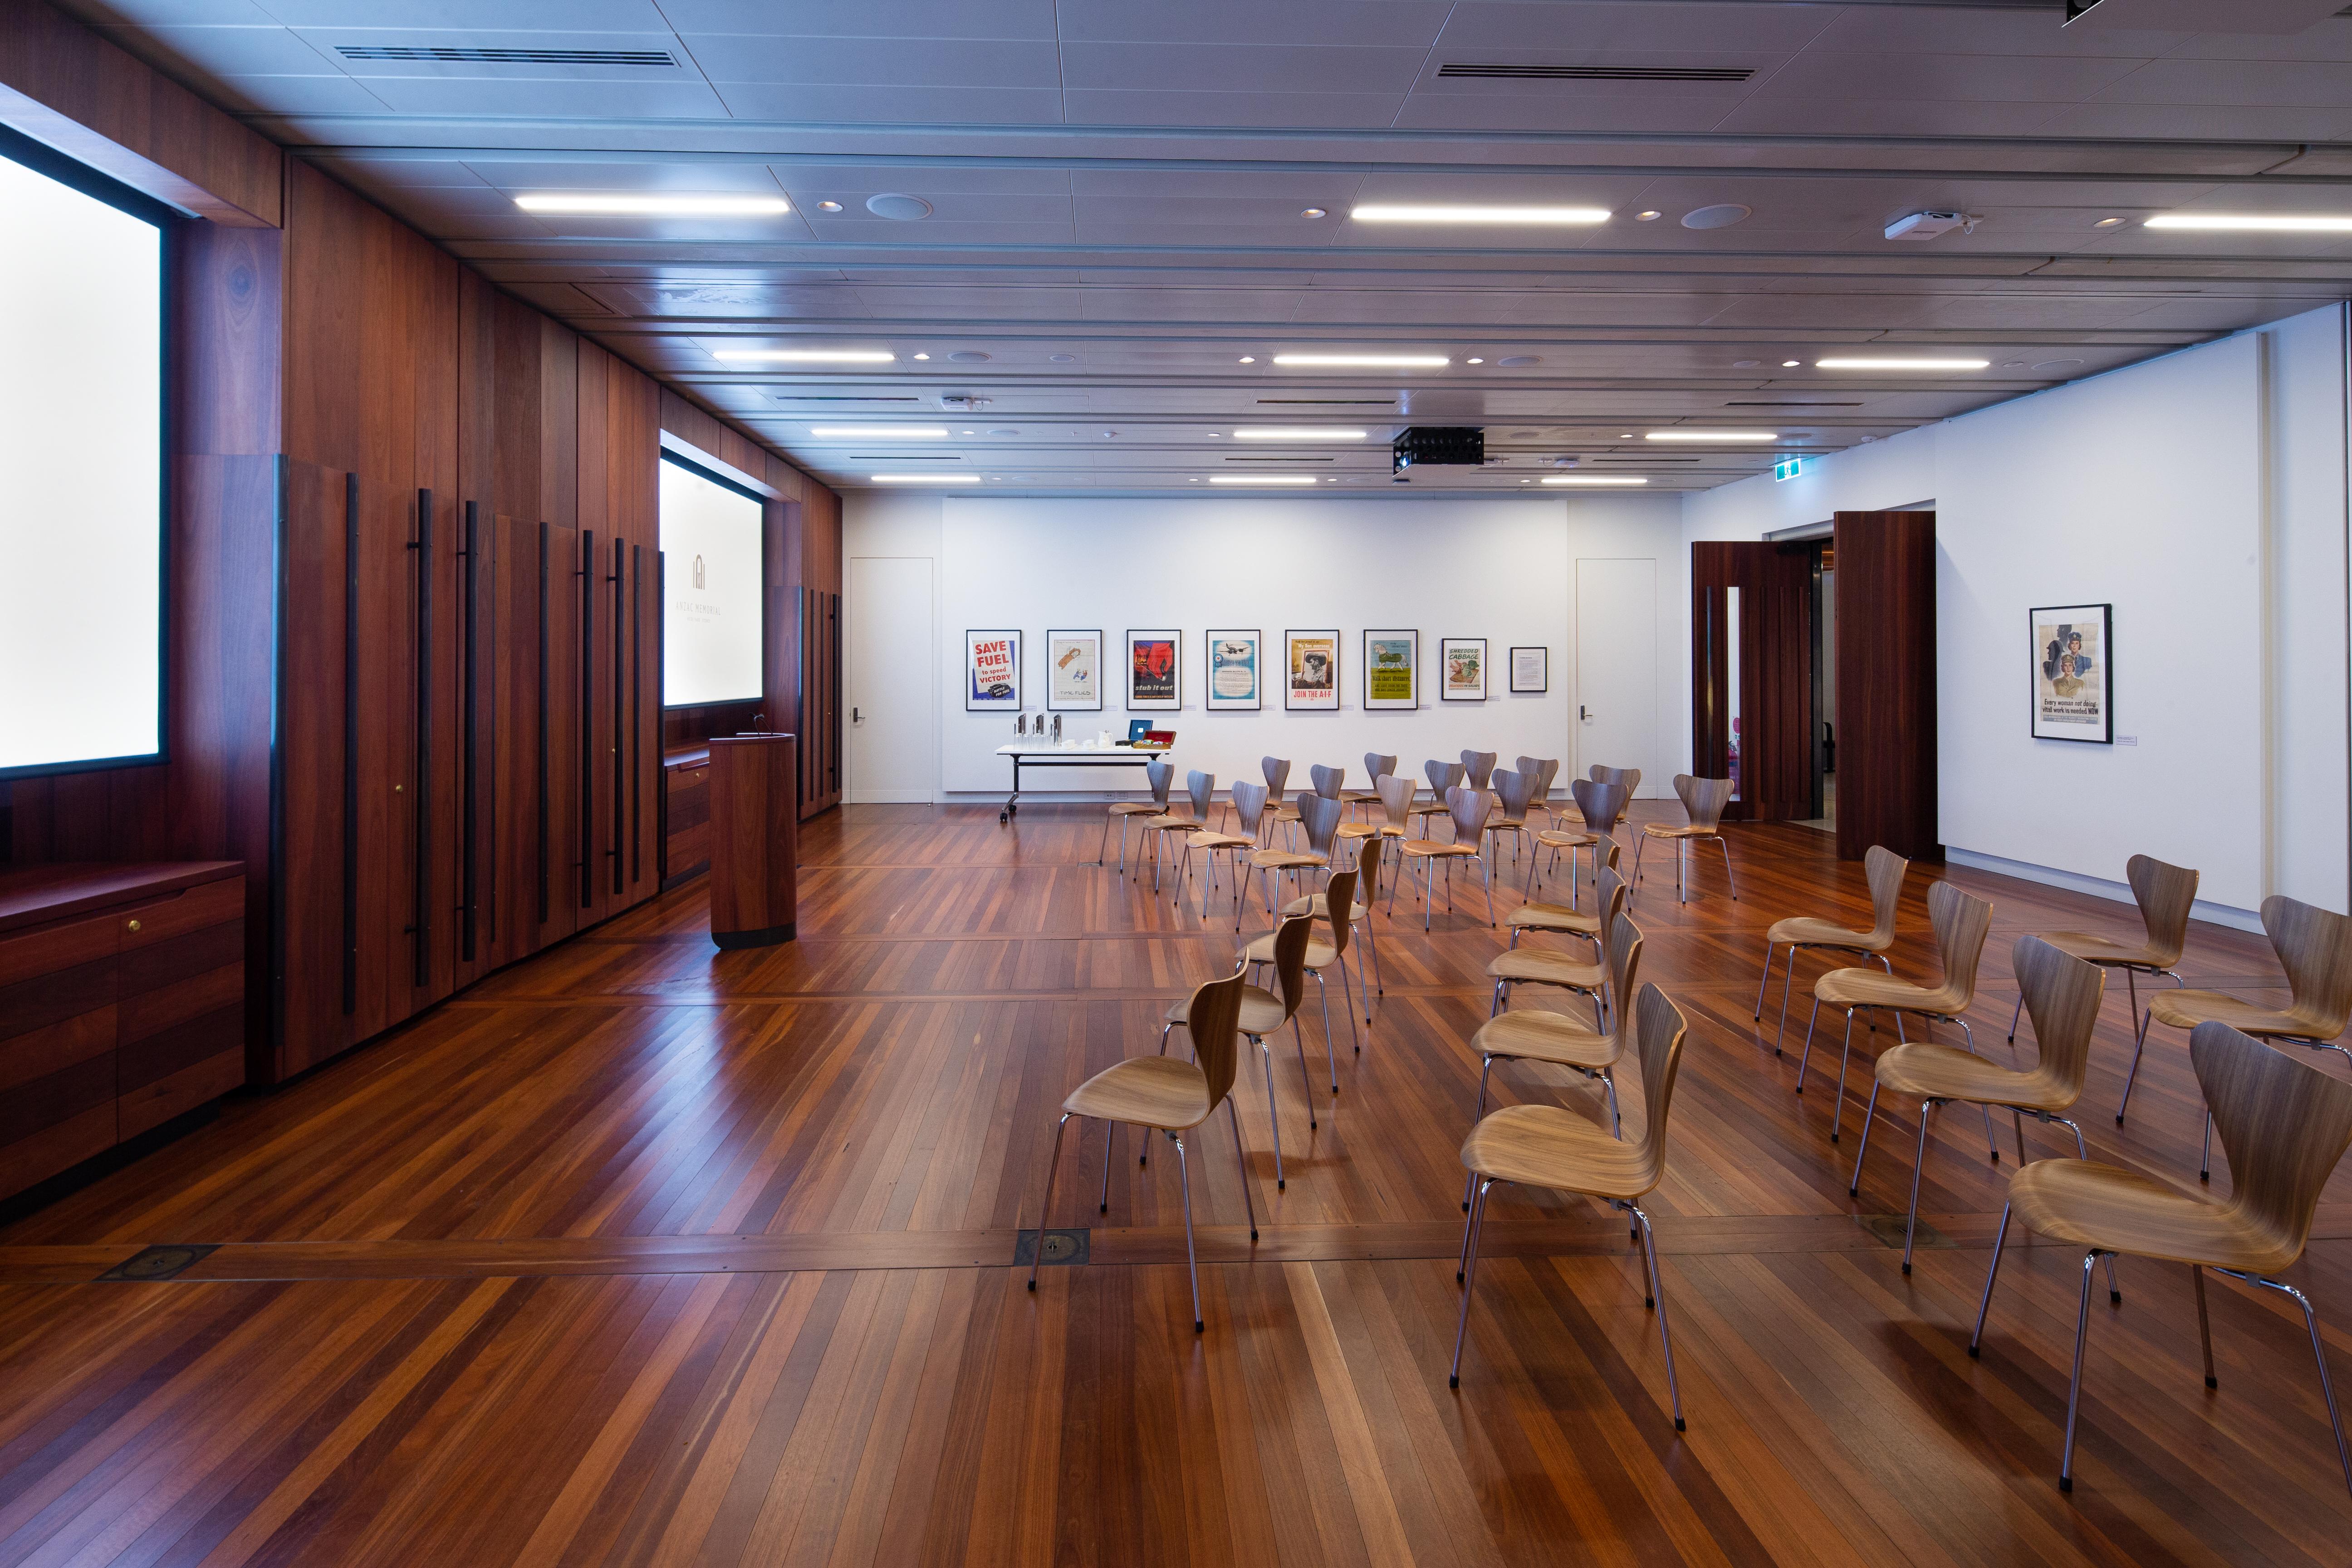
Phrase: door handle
(1583,712)
(855,717)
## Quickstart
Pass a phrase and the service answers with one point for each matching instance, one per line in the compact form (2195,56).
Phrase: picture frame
(1235,668)
(991,672)
(2072,680)
(1531,671)
(1392,669)
(1462,670)
(1311,671)
(1073,671)
(1155,671)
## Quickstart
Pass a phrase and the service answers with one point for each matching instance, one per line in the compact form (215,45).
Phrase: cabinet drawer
(206,904)
(71,944)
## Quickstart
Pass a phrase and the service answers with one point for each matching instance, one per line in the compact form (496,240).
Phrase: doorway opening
(1824,747)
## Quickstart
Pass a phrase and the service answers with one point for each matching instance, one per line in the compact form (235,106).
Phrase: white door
(1616,721)
(891,670)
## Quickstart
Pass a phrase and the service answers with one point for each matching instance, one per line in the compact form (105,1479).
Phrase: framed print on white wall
(1462,666)
(1236,671)
(991,672)
(2073,675)
(1310,669)
(1392,669)
(1530,670)
(1154,670)
(1074,670)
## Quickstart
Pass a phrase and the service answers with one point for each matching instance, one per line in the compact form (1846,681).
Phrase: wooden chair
(1478,767)
(1159,775)
(1512,792)
(1262,1013)
(1329,782)
(1320,818)
(1702,803)
(2315,947)
(1320,956)
(1885,870)
(1544,770)
(1202,789)
(2063,993)
(1545,1146)
(1249,814)
(2165,895)
(1376,768)
(1443,776)
(1630,777)
(1961,921)
(2284,1124)
(1368,886)
(1602,807)
(1162,1094)
(1548,966)
(1468,807)
(1563,919)
(1277,777)
(1538,1034)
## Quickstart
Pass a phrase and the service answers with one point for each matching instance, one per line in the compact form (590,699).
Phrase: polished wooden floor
(645,1253)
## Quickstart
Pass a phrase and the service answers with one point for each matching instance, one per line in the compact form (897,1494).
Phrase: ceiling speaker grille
(1601,73)
(507,57)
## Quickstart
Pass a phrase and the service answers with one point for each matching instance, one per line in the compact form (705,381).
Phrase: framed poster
(1531,670)
(2074,673)
(1392,670)
(1073,670)
(1462,667)
(1312,671)
(1236,671)
(991,672)
(1153,665)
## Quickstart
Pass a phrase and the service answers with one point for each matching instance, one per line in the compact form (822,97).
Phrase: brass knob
(397,789)
(134,925)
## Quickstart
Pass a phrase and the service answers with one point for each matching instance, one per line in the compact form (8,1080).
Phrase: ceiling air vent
(507,57)
(1601,73)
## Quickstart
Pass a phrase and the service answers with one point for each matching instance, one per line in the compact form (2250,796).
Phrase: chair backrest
(1249,805)
(1396,798)
(2062,994)
(1610,889)
(1290,939)
(2165,894)
(1545,769)
(1443,776)
(2284,1123)
(1622,952)
(1319,814)
(1327,781)
(1202,788)
(1659,1030)
(1469,808)
(1961,921)
(1213,1021)
(1886,871)
(1378,767)
(1703,799)
(1368,866)
(1277,774)
(1630,777)
(1516,789)
(1602,805)
(1479,766)
(1338,902)
(2315,947)
(1608,856)
(1159,775)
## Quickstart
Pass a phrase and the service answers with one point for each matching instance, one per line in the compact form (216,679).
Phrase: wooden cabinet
(121,1004)
(686,821)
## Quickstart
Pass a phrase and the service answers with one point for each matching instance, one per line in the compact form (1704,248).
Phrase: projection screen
(710,534)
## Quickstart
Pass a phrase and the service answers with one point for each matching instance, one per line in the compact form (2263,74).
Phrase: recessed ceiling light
(653,205)
(1249,359)
(1901,363)
(1287,433)
(1474,361)
(828,206)
(1790,364)
(969,356)
(1713,436)
(1004,432)
(1400,361)
(1315,211)
(1063,359)
(884,432)
(1652,215)
(920,479)
(1551,216)
(1626,436)
(1723,214)
(804,356)
(1593,479)
(2108,223)
(922,356)
(2253,223)
(1262,479)
(898,205)
(969,432)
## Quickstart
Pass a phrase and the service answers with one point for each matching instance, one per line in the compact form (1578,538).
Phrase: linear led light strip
(1901,363)
(1404,362)
(1261,478)
(1279,433)
(655,206)
(1713,436)
(883,432)
(1548,217)
(1594,480)
(803,357)
(2253,223)
(920,479)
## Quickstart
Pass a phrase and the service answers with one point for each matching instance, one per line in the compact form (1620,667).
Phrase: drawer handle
(134,925)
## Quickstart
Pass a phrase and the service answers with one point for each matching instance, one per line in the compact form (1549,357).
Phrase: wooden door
(1773,705)
(1886,684)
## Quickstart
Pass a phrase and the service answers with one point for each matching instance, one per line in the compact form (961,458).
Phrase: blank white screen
(82,369)
(711,542)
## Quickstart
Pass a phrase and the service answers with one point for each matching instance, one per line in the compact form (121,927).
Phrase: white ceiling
(1116,190)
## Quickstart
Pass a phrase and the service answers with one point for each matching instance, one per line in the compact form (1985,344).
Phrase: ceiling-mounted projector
(1927,226)
(1454,446)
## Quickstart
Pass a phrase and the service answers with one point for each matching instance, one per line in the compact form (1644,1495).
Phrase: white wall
(1499,569)
(2204,494)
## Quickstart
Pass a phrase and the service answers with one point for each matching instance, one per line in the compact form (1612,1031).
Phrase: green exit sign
(1787,468)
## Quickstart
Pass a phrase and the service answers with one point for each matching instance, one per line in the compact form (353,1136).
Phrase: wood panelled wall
(1886,684)
(1775,674)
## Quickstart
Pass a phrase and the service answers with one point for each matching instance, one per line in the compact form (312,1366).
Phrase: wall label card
(1236,676)
(1153,670)
(1530,670)
(1312,671)
(1392,670)
(1463,662)
(2074,673)
(1074,670)
(992,667)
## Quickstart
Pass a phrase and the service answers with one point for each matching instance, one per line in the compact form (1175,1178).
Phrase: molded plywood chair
(2063,993)
(1885,870)
(1512,792)
(1961,921)
(1478,767)
(1602,807)
(1368,883)
(1549,966)
(1159,775)
(1443,776)
(1320,818)
(1536,1034)
(1320,956)
(1202,789)
(2284,1124)
(1277,777)
(1376,768)
(1327,783)
(2165,895)
(1262,1013)
(1161,1094)
(1543,770)
(1249,815)
(2315,947)
(1702,803)
(1630,777)
(1544,1146)
(1468,807)
(1563,919)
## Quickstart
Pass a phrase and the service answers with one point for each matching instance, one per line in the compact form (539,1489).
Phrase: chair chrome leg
(1636,882)
(2014,1014)
(1788,973)
(1616,1122)
(1305,1079)
(1273,1116)
(1911,1226)
(1046,1207)
(1470,1179)
(1725,845)
(1682,859)
(2205,1156)
(1348,995)
(2204,1326)
(1808,1054)
(1468,1272)
(1658,1301)
(1102,850)
(1184,1179)
(1976,1341)
(1486,874)
(1762,981)
(1870,1112)
(1329,1048)
(1837,1106)
(2075,1388)
(2319,1354)
(1241,1158)
(2139,1043)
(1111,1141)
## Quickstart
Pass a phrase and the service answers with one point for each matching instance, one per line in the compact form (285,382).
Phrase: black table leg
(1012,801)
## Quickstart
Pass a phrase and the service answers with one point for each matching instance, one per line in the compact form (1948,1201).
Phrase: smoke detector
(1928,225)
(962,402)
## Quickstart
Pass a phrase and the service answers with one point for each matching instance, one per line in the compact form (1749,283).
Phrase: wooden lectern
(754,839)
